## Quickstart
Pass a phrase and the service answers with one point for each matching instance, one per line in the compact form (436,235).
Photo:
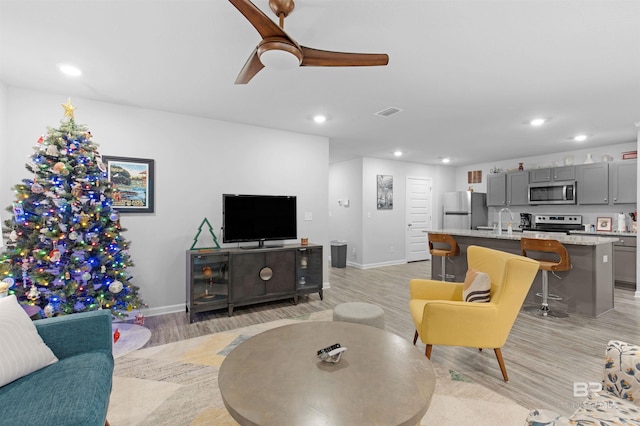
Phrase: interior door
(418,202)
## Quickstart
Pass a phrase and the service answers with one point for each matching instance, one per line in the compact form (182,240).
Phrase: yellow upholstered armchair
(442,317)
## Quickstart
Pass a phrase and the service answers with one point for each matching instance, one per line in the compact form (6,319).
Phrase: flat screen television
(258,218)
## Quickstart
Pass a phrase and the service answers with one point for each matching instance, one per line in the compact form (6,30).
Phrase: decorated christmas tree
(64,249)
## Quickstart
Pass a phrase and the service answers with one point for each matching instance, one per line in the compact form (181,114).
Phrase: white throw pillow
(22,350)
(477,287)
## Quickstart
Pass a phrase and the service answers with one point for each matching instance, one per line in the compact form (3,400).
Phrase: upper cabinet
(596,183)
(507,189)
(593,183)
(517,189)
(552,174)
(625,184)
(496,189)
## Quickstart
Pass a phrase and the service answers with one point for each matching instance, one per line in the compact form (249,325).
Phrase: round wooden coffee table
(276,378)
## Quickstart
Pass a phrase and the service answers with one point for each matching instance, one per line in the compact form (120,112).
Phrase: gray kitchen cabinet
(551,174)
(564,173)
(496,189)
(593,183)
(625,184)
(517,188)
(624,258)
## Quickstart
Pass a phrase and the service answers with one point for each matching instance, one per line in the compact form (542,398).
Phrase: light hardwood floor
(544,357)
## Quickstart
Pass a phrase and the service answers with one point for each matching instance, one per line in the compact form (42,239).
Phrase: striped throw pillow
(477,287)
(22,350)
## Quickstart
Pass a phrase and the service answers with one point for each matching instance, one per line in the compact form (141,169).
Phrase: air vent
(388,112)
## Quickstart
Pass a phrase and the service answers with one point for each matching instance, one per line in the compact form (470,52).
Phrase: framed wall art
(133,183)
(385,192)
(604,224)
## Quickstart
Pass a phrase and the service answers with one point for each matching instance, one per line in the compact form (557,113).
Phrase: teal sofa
(76,389)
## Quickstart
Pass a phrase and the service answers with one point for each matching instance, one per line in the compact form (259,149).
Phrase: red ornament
(54,256)
(41,139)
(116,335)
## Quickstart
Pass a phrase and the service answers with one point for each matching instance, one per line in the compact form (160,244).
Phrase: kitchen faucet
(500,219)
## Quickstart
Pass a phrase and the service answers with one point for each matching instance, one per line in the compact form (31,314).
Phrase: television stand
(227,278)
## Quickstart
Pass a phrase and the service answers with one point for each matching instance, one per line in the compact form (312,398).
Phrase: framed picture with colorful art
(133,183)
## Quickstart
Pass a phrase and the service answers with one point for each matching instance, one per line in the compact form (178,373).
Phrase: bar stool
(452,250)
(546,265)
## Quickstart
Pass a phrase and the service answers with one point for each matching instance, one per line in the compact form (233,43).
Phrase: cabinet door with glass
(207,281)
(309,270)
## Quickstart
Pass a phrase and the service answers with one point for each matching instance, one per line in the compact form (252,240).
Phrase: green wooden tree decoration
(195,239)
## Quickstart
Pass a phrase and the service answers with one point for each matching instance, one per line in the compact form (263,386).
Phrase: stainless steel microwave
(553,193)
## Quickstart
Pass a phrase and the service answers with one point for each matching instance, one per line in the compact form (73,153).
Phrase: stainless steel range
(556,223)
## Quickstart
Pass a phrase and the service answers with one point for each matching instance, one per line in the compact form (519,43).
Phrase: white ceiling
(468,74)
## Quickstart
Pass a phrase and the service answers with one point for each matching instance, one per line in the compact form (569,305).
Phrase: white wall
(3,137)
(196,161)
(378,236)
(345,223)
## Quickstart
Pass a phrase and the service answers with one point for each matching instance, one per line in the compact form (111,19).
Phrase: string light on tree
(65,252)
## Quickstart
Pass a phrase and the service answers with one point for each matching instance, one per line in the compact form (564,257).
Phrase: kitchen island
(586,289)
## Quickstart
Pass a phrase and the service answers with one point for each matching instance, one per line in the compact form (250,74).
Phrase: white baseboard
(376,265)
(162,310)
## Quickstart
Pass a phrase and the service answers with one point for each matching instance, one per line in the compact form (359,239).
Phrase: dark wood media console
(226,278)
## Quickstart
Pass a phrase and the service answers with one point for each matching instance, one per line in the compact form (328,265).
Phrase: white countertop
(581,240)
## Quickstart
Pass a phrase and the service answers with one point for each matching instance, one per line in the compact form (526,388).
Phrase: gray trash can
(338,254)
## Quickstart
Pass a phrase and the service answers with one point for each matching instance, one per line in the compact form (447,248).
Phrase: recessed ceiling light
(70,70)
(580,138)
(446,160)
(320,119)
(538,122)
(397,153)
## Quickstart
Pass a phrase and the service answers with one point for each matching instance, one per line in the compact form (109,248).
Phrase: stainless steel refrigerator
(464,210)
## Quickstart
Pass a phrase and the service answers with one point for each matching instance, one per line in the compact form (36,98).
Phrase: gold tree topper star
(68,109)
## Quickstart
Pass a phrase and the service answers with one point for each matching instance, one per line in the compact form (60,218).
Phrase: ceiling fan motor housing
(281,7)
(276,43)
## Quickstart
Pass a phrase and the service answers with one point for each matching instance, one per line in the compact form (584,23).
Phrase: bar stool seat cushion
(477,287)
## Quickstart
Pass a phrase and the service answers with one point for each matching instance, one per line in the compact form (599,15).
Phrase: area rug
(130,338)
(177,384)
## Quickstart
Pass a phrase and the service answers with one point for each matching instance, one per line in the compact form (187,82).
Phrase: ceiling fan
(274,39)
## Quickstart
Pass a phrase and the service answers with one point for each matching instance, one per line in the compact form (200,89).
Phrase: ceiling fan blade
(250,68)
(324,58)
(265,26)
